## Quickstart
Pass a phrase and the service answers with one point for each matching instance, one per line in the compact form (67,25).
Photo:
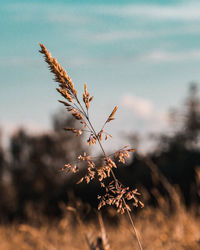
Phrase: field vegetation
(43,207)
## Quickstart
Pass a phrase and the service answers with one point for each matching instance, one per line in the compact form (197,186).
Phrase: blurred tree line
(30,173)
(176,158)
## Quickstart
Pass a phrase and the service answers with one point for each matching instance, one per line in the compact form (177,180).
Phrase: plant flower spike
(115,193)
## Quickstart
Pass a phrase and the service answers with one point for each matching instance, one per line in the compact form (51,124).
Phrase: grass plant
(115,193)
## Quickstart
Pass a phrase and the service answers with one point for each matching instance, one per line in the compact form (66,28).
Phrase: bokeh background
(141,55)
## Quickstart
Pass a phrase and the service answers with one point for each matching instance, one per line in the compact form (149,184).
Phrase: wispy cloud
(119,35)
(167,56)
(131,34)
(144,109)
(183,11)
(85,13)
(138,105)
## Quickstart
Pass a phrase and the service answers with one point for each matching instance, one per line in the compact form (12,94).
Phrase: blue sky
(138,54)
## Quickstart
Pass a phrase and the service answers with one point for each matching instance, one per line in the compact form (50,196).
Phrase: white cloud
(78,14)
(121,35)
(183,12)
(145,110)
(138,105)
(132,34)
(167,56)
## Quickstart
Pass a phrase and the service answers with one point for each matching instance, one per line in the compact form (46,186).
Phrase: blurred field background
(142,55)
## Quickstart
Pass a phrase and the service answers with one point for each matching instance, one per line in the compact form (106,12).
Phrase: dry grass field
(158,229)
(171,182)
(169,225)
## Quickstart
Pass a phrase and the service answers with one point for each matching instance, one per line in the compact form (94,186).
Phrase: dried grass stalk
(115,193)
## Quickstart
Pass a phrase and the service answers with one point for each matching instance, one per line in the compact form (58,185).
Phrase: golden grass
(159,230)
